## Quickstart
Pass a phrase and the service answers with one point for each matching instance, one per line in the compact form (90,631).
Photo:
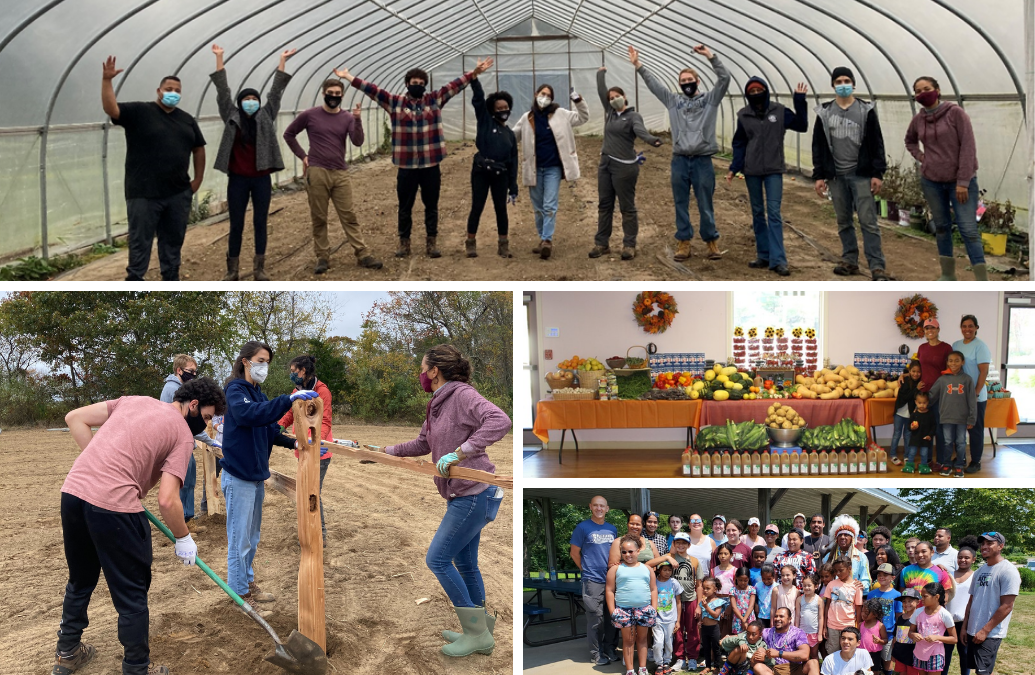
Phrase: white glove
(186,549)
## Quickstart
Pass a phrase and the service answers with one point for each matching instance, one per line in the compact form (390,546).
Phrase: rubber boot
(430,248)
(233,267)
(980,272)
(404,248)
(476,637)
(948,268)
(453,636)
(257,268)
(503,248)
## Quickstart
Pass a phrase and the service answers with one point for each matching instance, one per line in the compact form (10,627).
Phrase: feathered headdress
(844,523)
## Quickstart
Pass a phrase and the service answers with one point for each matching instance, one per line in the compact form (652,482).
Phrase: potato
(772,409)
(785,425)
(774,425)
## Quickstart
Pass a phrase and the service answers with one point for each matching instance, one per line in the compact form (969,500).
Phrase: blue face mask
(844,90)
(250,107)
(170,99)
(296,379)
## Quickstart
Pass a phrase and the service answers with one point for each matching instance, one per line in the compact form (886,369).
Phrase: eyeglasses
(696,521)
(990,534)
(652,513)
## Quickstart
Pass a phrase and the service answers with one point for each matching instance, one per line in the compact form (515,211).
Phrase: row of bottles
(785,462)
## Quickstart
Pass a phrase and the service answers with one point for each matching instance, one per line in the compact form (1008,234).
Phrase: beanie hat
(842,71)
(247,92)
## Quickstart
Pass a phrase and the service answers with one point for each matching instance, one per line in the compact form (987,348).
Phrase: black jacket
(872,160)
(495,141)
(906,395)
(758,148)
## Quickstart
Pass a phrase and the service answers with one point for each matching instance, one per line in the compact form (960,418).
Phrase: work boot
(980,272)
(257,268)
(546,250)
(257,594)
(683,251)
(155,669)
(948,263)
(471,246)
(713,250)
(430,249)
(322,265)
(233,266)
(628,252)
(476,636)
(538,247)
(490,623)
(598,251)
(68,664)
(370,262)
(759,264)
(503,248)
(404,248)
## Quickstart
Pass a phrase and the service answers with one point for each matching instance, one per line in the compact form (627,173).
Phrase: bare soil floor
(810,234)
(380,521)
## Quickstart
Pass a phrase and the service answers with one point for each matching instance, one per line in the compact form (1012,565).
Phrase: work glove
(512,199)
(641,158)
(304,395)
(575,95)
(215,444)
(447,461)
(186,549)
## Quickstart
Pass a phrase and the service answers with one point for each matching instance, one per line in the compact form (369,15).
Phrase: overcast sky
(350,307)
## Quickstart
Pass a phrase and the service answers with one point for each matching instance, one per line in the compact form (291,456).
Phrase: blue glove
(640,158)
(512,199)
(215,444)
(447,461)
(304,395)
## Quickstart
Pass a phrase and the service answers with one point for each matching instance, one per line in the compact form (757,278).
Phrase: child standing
(844,600)
(890,606)
(904,404)
(826,575)
(903,646)
(632,599)
(764,593)
(742,600)
(712,608)
(669,610)
(810,618)
(873,633)
(931,627)
(786,594)
(758,555)
(847,659)
(956,399)
(922,429)
(725,570)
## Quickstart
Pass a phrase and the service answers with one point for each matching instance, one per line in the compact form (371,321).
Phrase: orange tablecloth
(558,415)
(1000,413)
(814,412)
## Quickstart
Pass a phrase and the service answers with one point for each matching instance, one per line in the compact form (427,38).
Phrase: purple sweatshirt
(950,152)
(458,417)
(327,134)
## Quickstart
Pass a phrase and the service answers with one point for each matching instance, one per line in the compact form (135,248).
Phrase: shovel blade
(299,655)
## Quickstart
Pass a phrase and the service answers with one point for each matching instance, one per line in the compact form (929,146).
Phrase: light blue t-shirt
(765,599)
(975,353)
(595,544)
(632,586)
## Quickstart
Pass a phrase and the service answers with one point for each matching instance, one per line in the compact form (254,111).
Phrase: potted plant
(911,197)
(890,189)
(996,226)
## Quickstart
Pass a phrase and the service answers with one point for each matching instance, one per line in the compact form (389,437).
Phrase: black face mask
(196,423)
(690,88)
(416,90)
(756,101)
(332,101)
(502,115)
(186,376)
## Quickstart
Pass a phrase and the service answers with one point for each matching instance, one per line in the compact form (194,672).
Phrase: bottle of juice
(785,462)
(853,461)
(695,464)
(766,463)
(842,462)
(727,464)
(706,464)
(756,464)
(795,465)
(735,460)
(882,460)
(813,463)
(824,463)
(871,460)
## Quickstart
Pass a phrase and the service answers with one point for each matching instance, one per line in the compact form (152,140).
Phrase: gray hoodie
(169,389)
(956,399)
(692,118)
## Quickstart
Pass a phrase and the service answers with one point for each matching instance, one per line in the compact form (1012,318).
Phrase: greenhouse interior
(61,181)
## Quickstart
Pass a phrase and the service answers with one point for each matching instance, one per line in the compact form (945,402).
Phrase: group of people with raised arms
(539,147)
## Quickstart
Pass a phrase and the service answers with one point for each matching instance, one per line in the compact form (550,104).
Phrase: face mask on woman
(618,102)
(259,371)
(425,382)
(296,379)
(543,100)
(502,115)
(928,98)
(250,107)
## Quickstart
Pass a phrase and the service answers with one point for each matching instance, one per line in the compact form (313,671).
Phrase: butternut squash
(831,396)
(884,393)
(864,394)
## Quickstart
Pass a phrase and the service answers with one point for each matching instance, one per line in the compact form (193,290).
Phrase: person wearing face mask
(161,140)
(248,152)
(692,114)
(548,155)
(848,152)
(328,129)
(459,426)
(250,431)
(418,145)
(495,166)
(302,371)
(758,153)
(948,174)
(185,369)
(619,168)
(139,443)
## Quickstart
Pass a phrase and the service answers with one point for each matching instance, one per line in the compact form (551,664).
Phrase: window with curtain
(779,311)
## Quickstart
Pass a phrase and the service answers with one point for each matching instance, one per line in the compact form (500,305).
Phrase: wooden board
(213,491)
(312,620)
(285,485)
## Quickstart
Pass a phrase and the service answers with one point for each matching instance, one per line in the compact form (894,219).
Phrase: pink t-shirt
(843,597)
(930,624)
(141,439)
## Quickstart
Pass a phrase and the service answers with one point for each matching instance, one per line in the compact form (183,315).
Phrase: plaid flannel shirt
(417,138)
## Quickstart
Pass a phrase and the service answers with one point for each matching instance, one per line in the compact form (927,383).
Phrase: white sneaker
(678,665)
(642,671)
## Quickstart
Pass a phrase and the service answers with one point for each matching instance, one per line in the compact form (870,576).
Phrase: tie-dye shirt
(914,576)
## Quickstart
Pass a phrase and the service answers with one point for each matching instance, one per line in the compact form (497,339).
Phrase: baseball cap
(681,536)
(862,536)
(799,515)
(772,528)
(886,567)
(719,516)
(994,536)
(931,322)
(911,593)
(753,521)
(663,563)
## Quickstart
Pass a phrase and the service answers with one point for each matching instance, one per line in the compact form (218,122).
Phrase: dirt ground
(812,251)
(380,521)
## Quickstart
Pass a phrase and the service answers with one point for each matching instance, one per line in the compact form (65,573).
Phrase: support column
(312,618)
(763,507)
(640,500)
(864,514)
(824,508)
(551,547)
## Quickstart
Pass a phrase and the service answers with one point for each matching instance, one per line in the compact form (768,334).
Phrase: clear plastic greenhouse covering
(61,179)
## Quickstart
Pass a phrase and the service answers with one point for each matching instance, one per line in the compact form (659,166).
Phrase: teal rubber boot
(490,622)
(476,636)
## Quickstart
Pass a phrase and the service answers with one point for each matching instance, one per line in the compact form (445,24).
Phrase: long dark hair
(450,362)
(248,350)
(548,110)
(306,363)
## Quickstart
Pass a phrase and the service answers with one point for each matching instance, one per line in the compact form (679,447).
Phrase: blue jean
(545,195)
(955,437)
(977,434)
(768,236)
(925,453)
(698,174)
(243,521)
(187,490)
(453,553)
(901,431)
(941,199)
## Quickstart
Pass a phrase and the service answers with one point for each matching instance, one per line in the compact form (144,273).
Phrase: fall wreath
(911,314)
(654,311)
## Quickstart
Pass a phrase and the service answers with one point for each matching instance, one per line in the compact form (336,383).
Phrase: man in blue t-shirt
(590,547)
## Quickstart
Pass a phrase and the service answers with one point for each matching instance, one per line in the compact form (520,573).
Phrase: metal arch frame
(26,22)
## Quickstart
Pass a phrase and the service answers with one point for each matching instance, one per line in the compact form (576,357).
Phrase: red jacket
(288,420)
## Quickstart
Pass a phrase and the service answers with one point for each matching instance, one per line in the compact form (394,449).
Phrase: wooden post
(312,621)
(213,491)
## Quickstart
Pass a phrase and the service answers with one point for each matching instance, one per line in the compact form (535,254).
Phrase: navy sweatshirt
(250,430)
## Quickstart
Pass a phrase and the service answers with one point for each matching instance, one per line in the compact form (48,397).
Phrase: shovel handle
(197,561)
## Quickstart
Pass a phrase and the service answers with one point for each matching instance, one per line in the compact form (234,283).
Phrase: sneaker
(896,461)
(677,666)
(946,471)
(924,469)
(611,656)
(973,467)
(691,664)
(642,671)
(908,468)
(599,251)
(79,657)
(957,472)
(600,661)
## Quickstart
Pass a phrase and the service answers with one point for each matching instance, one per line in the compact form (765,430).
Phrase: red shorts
(904,669)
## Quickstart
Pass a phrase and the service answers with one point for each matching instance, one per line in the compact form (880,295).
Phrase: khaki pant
(335,186)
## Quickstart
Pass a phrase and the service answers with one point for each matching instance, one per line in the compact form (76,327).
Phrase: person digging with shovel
(141,442)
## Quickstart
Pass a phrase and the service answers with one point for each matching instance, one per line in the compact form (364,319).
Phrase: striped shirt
(417,137)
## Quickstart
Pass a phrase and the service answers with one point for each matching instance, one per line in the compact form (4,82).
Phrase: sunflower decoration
(810,333)
(752,332)
(912,312)
(654,311)
(796,332)
(738,332)
(779,332)
(770,331)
